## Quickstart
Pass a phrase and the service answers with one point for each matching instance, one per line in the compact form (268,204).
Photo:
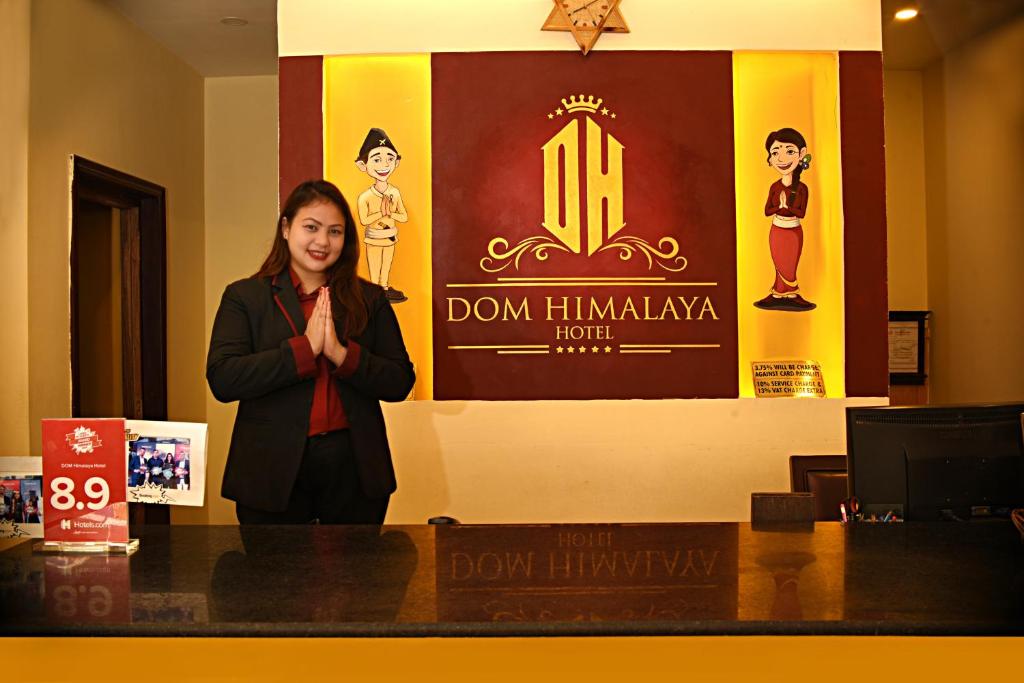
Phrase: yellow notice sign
(788,378)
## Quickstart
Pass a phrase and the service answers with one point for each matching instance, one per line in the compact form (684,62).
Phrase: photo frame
(21,494)
(166,462)
(908,333)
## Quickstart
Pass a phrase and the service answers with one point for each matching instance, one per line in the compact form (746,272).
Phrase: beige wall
(104,90)
(905,192)
(14,74)
(241,208)
(973,108)
(934,127)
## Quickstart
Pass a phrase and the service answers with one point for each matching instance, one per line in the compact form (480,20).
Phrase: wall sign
(788,379)
(584,226)
(908,333)
(595,228)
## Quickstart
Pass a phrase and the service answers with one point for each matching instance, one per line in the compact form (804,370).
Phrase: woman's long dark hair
(793,137)
(347,302)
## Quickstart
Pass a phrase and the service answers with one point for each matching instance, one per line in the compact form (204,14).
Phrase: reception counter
(550,580)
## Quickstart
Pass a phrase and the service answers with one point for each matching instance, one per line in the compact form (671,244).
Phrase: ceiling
(192,30)
(941,26)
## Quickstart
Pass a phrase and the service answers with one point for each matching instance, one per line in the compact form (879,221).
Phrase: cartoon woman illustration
(787,204)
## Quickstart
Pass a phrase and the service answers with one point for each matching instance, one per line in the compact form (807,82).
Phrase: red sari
(786,239)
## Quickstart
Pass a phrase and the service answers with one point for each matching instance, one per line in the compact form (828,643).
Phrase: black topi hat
(374,139)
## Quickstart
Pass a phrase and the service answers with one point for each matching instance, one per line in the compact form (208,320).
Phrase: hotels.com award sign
(85,481)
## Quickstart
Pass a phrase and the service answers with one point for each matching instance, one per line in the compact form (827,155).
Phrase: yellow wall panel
(391,92)
(773,90)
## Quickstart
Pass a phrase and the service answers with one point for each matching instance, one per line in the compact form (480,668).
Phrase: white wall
(329,27)
(602,461)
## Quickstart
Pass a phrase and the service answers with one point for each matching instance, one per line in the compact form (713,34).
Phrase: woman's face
(784,156)
(315,238)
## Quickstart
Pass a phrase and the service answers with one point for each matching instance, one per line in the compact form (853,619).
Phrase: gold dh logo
(568,218)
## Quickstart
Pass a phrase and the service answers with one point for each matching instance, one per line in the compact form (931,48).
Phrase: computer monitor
(936,462)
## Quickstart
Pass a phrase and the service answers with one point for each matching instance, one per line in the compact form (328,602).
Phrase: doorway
(118,301)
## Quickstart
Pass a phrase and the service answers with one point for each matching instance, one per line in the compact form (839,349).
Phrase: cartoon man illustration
(380,208)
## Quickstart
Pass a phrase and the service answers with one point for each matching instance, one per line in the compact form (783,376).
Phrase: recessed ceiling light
(234,22)
(906,14)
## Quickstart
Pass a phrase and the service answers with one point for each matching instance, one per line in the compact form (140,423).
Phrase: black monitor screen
(936,462)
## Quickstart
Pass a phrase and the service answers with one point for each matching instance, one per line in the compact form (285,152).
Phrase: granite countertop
(601,579)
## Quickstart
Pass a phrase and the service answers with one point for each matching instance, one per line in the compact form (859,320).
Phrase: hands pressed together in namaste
(320,330)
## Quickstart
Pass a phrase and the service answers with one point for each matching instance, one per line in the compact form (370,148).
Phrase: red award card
(85,482)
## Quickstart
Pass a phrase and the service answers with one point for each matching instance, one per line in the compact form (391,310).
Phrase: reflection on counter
(85,589)
(586,573)
(897,570)
(320,575)
(792,572)
(169,608)
(607,579)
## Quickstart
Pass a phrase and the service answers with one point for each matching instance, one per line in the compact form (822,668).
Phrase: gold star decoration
(594,349)
(572,350)
(583,349)
(551,116)
(558,349)
(607,349)
(613,115)
(604,111)
(559,111)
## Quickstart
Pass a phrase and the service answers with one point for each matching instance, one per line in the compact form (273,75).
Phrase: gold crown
(572,104)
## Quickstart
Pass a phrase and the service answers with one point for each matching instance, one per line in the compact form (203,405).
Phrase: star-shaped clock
(586,20)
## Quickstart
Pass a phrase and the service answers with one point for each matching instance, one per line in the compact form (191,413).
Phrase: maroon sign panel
(584,226)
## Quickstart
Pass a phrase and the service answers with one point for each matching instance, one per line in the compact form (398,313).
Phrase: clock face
(586,13)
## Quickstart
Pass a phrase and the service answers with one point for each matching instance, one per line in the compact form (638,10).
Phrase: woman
(18,508)
(309,350)
(787,204)
(32,510)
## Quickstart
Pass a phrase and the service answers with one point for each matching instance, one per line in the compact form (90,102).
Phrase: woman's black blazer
(251,361)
